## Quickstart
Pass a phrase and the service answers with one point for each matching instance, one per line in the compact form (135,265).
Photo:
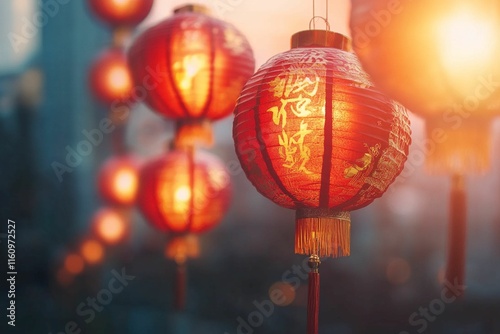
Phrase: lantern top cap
(192,8)
(320,38)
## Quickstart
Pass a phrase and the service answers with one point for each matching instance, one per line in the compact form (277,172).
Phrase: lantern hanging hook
(312,22)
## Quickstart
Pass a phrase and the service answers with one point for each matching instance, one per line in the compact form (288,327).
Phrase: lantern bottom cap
(194,133)
(326,234)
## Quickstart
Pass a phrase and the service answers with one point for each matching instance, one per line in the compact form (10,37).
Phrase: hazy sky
(268,24)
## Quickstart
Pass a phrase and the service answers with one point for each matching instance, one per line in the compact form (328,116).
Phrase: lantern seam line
(171,78)
(191,166)
(212,70)
(324,194)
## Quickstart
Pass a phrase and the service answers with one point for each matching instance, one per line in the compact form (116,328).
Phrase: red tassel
(455,271)
(313,296)
(180,287)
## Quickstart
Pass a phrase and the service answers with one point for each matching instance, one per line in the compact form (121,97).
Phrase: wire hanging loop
(312,23)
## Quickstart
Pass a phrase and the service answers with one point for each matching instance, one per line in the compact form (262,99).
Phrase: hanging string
(313,296)
(314,17)
(455,271)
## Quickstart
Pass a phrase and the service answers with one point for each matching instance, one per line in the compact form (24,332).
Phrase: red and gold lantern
(110,79)
(440,59)
(198,64)
(118,180)
(314,135)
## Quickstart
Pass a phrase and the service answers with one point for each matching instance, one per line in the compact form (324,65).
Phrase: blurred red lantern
(184,191)
(193,67)
(313,134)
(110,225)
(447,66)
(440,59)
(118,180)
(110,79)
(121,12)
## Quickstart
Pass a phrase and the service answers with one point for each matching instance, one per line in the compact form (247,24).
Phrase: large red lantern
(440,59)
(184,192)
(118,180)
(313,134)
(193,67)
(110,79)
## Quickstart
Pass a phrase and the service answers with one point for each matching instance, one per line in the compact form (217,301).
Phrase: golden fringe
(465,150)
(323,236)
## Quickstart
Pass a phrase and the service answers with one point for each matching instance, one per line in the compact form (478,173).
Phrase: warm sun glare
(465,39)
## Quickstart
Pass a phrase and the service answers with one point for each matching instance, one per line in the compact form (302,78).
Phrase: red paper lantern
(121,12)
(193,67)
(118,180)
(110,79)
(313,134)
(184,191)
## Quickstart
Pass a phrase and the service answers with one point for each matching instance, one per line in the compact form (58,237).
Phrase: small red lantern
(110,79)
(313,134)
(184,191)
(110,225)
(121,12)
(118,180)
(193,67)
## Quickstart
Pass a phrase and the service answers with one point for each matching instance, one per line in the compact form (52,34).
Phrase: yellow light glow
(125,184)
(118,79)
(111,227)
(191,66)
(465,39)
(120,3)
(183,194)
